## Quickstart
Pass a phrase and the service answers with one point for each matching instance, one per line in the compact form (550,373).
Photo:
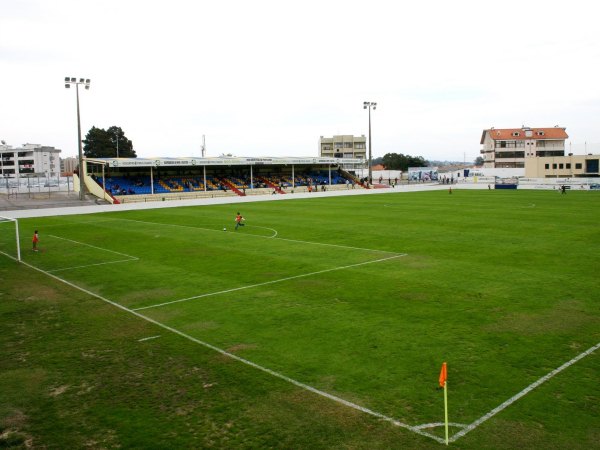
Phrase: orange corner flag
(443,375)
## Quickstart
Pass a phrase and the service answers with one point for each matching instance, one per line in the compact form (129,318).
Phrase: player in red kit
(238,221)
(35,240)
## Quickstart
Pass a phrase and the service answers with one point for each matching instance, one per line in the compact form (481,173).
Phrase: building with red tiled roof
(508,147)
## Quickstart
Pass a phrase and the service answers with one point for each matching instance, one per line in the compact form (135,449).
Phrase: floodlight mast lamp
(86,82)
(369,106)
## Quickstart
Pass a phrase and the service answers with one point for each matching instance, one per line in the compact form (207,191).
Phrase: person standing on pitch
(35,240)
(238,221)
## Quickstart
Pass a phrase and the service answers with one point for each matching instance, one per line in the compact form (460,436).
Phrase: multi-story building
(68,165)
(343,146)
(570,166)
(509,147)
(29,160)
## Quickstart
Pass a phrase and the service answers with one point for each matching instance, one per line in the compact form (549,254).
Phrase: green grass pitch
(361,298)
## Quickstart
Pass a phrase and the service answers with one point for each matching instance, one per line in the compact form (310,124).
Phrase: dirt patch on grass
(145,294)
(202,325)
(10,434)
(16,420)
(564,317)
(35,292)
(58,390)
(510,435)
(239,347)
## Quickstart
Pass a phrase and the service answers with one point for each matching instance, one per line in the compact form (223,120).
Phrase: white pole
(18,241)
(103,184)
(204,178)
(81,163)
(446,409)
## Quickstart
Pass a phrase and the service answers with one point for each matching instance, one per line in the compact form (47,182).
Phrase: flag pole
(443,384)
(446,409)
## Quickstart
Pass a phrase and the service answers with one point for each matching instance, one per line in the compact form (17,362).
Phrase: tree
(122,144)
(479,161)
(378,160)
(395,161)
(100,143)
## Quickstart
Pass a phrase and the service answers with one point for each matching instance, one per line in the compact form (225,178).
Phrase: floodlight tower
(369,106)
(86,82)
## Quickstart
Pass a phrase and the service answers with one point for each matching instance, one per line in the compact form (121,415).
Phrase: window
(554,166)
(568,165)
(561,166)
(591,166)
(546,166)
(578,166)
(539,133)
(516,133)
(541,143)
(510,155)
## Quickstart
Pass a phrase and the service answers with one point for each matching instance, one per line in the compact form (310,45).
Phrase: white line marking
(415,429)
(92,246)
(270,229)
(263,237)
(10,256)
(267,282)
(525,391)
(341,246)
(96,264)
(247,362)
(131,258)
(440,424)
(149,338)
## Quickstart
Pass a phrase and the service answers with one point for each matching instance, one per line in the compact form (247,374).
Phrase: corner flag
(443,375)
(443,378)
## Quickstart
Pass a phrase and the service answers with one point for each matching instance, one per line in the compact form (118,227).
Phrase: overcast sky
(267,78)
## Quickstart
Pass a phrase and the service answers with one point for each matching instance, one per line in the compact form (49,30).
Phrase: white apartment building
(508,147)
(343,146)
(29,160)
(68,165)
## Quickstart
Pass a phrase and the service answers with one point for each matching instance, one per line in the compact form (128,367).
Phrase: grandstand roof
(219,161)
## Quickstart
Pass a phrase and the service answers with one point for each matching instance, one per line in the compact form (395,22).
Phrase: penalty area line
(149,338)
(95,264)
(130,258)
(246,361)
(267,283)
(93,246)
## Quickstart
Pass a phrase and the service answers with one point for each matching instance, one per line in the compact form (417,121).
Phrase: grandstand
(120,180)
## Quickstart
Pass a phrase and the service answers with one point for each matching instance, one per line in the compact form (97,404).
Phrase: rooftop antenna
(203,148)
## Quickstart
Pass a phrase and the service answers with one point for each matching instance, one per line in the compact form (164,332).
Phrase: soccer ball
(224,229)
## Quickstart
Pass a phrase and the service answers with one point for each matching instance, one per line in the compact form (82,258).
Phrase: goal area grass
(322,323)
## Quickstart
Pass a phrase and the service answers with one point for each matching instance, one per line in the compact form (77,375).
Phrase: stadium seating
(141,185)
